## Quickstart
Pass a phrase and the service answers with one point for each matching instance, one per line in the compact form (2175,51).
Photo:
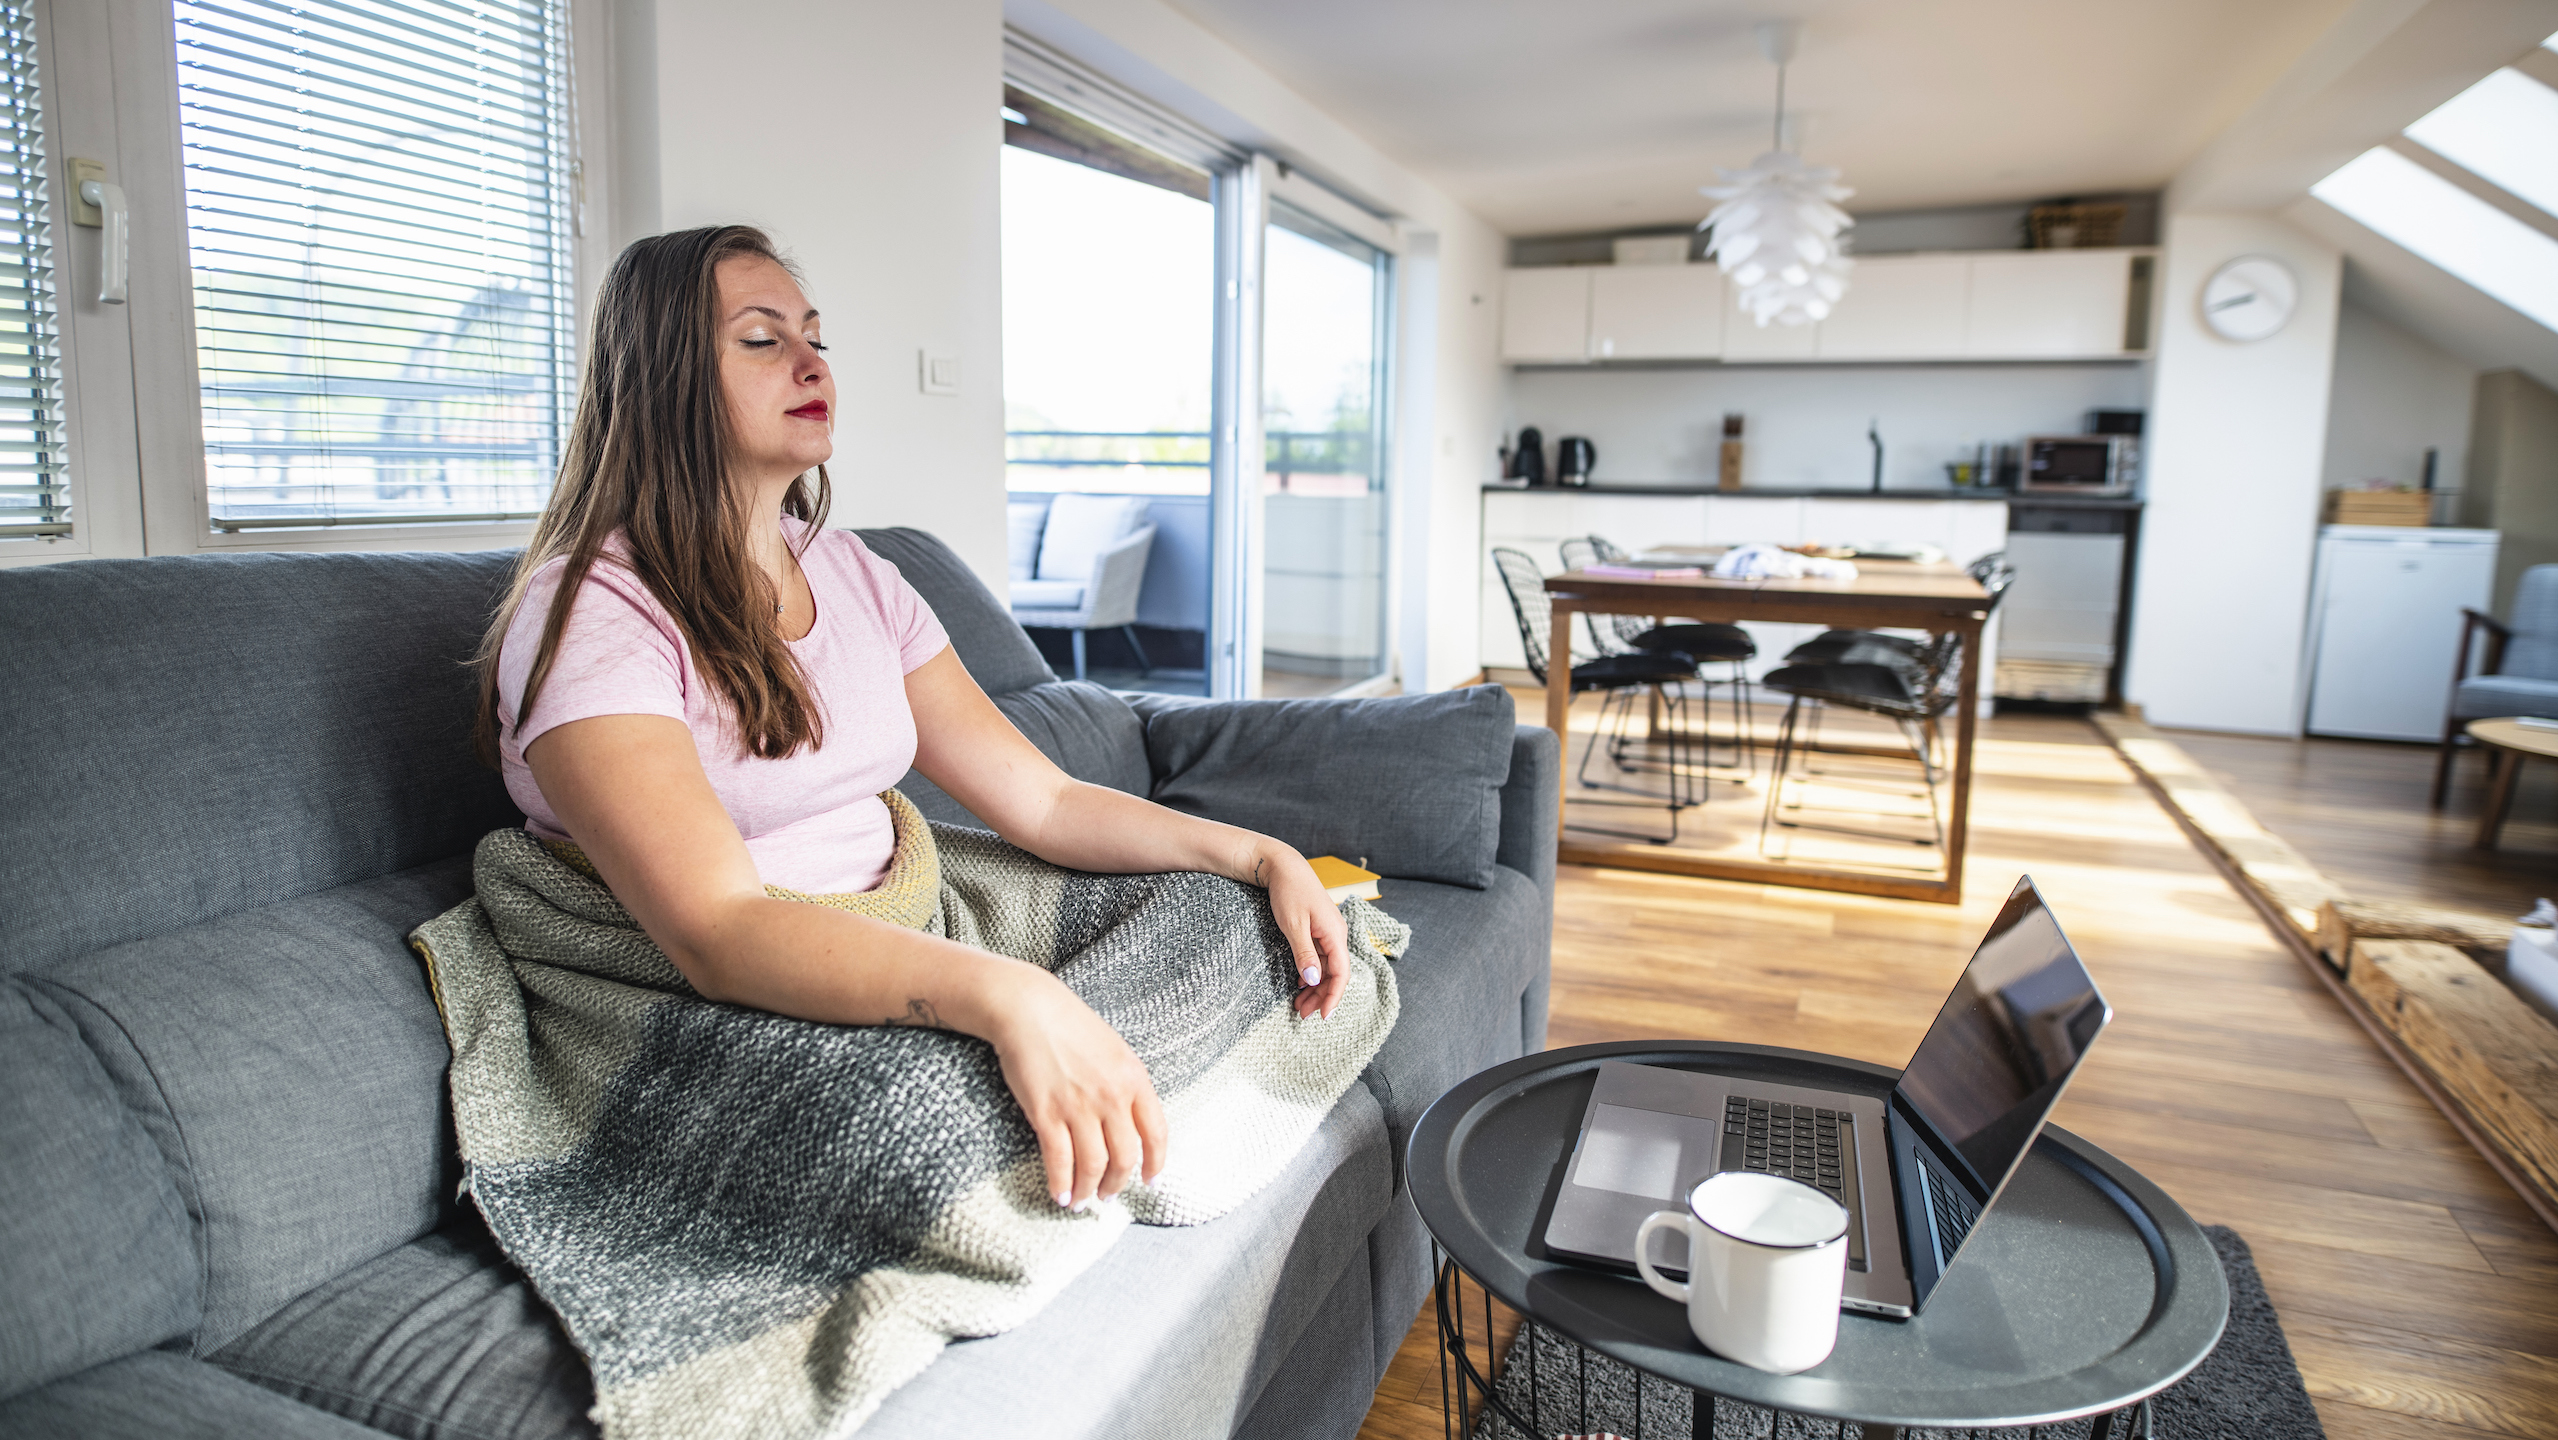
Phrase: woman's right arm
(632,790)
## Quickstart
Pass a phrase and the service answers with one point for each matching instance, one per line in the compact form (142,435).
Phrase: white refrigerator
(2384,616)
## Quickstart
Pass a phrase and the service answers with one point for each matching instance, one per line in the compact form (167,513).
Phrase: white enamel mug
(1767,1258)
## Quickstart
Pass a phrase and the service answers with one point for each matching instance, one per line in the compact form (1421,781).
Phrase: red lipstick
(813,410)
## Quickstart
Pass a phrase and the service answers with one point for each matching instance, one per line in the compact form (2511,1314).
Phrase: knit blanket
(755,1225)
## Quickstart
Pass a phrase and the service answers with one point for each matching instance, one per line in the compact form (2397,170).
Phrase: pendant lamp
(1776,232)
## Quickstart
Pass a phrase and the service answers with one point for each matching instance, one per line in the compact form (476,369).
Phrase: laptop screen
(2017,1024)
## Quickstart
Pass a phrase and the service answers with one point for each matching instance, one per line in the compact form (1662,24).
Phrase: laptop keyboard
(1801,1141)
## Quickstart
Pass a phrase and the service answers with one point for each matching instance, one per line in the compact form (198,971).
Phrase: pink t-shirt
(813,820)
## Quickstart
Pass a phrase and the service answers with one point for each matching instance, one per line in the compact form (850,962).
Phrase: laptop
(1916,1170)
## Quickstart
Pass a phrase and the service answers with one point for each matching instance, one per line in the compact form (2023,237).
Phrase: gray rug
(2246,1389)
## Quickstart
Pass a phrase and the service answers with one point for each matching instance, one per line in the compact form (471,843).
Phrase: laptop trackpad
(1633,1152)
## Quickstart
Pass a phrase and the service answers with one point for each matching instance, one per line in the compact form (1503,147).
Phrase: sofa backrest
(200,736)
(995,650)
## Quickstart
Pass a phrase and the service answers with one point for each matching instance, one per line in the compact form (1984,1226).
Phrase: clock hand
(2235,300)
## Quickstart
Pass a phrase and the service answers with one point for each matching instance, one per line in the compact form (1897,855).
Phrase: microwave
(2080,464)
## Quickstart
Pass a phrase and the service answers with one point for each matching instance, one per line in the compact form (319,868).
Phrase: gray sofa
(228,1199)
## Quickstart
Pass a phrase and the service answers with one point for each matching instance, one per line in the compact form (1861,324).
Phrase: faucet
(1874,437)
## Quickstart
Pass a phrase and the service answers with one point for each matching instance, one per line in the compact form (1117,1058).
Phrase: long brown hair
(648,457)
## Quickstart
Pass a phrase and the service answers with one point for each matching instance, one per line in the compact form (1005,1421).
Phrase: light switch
(938,373)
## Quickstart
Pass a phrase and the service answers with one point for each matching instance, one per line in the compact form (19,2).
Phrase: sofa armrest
(1531,806)
(1118,573)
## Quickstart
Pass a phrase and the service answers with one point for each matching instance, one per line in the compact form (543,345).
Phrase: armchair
(1092,564)
(2518,675)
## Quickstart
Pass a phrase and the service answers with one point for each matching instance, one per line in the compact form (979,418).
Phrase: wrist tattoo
(920,1015)
(1258,866)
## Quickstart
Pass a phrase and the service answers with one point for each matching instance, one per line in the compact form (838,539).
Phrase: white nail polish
(1314,975)
(1065,1201)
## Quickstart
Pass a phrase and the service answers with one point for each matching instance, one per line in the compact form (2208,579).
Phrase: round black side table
(2085,1291)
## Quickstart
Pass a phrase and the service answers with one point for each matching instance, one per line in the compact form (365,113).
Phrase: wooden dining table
(1885,595)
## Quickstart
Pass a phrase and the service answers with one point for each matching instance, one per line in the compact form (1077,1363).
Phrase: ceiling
(1548,117)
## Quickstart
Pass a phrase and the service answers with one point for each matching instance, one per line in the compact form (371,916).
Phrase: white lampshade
(1776,235)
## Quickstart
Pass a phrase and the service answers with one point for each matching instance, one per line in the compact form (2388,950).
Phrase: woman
(705,690)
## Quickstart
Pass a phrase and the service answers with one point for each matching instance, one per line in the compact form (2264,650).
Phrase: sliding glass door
(1325,302)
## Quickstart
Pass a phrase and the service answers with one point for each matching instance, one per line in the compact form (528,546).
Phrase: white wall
(1449,411)
(866,138)
(2237,433)
(1804,425)
(2394,396)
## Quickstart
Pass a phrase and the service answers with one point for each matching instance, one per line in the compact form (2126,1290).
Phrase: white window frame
(74,76)
(174,515)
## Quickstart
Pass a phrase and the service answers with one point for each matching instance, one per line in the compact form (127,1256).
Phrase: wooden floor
(2420,1296)
(2359,810)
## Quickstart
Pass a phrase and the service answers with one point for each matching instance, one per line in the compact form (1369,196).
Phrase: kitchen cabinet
(1973,305)
(1745,340)
(1899,307)
(1656,312)
(2048,304)
(1545,314)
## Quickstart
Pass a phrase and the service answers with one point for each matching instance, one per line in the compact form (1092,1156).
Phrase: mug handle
(1670,1289)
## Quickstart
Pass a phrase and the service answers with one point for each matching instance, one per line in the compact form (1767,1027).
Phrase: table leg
(2504,767)
(1966,722)
(1558,702)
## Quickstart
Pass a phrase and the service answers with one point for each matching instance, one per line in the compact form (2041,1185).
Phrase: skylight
(2504,130)
(2454,229)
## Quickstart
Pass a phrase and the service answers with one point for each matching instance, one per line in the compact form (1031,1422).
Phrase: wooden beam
(2265,861)
(2488,1049)
(2342,922)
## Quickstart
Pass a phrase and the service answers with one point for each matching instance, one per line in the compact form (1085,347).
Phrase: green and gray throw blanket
(754,1225)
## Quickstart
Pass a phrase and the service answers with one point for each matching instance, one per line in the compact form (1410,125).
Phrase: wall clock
(2250,298)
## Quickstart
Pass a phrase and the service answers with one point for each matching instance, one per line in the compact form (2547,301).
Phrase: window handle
(112,262)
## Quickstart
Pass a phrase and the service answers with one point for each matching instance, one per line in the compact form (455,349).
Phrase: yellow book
(1342,880)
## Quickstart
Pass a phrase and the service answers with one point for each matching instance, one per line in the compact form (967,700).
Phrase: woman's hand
(1310,920)
(1087,1095)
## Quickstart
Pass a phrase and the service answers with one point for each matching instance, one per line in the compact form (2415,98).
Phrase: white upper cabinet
(1900,307)
(1979,305)
(1656,312)
(2048,304)
(1745,339)
(1545,314)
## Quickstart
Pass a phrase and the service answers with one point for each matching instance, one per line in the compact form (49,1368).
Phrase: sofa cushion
(1089,732)
(1177,1329)
(1023,520)
(1474,955)
(96,1256)
(221,732)
(289,1063)
(1080,527)
(440,1337)
(1047,594)
(159,1395)
(993,648)
(1412,783)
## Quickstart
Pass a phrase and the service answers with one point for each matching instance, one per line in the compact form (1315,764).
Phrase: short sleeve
(903,612)
(620,654)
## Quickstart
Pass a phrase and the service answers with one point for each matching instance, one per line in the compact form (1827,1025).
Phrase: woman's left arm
(966,746)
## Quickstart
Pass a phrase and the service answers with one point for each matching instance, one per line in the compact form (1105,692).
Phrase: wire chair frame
(1525,584)
(1624,637)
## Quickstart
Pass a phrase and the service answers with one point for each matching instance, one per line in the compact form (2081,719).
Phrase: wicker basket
(2379,507)
(2074,227)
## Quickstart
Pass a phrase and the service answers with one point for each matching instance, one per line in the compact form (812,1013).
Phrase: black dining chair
(1619,679)
(1705,642)
(1912,683)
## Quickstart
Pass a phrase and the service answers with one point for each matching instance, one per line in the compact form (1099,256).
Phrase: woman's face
(781,396)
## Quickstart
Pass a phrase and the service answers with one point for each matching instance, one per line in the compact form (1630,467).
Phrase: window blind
(378,225)
(33,497)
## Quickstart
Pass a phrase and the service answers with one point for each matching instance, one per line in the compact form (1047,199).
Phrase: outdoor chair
(1618,678)
(1091,566)
(2518,675)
